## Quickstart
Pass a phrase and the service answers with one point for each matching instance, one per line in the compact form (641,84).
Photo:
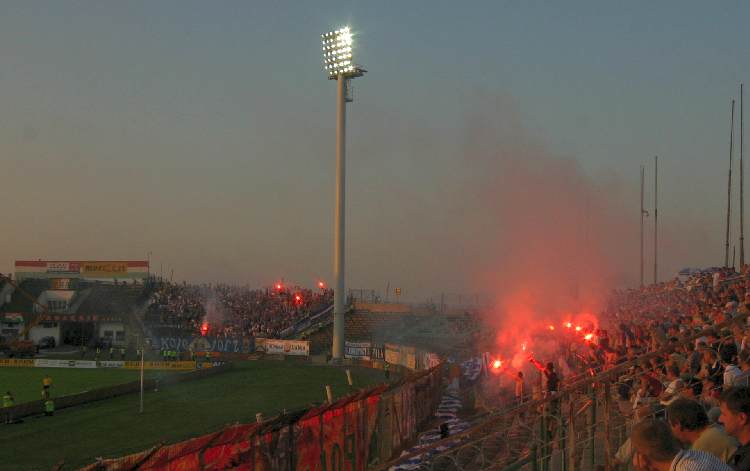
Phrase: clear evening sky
(203,132)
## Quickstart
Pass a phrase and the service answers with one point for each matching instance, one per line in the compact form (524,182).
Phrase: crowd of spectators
(224,310)
(684,391)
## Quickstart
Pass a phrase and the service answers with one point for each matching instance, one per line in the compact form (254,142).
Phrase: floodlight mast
(337,61)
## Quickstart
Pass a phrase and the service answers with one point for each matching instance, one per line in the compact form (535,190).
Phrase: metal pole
(742,193)
(592,433)
(571,434)
(729,188)
(543,435)
(141,409)
(656,218)
(339,294)
(607,428)
(643,177)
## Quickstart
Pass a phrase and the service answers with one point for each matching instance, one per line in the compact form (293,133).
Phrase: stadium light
(338,63)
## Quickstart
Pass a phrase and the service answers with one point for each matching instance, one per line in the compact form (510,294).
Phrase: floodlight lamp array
(337,52)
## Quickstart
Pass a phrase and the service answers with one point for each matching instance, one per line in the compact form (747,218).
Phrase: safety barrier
(578,429)
(355,432)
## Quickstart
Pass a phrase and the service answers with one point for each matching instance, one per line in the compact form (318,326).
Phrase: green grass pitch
(114,427)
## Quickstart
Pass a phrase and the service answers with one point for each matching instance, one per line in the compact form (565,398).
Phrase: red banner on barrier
(348,435)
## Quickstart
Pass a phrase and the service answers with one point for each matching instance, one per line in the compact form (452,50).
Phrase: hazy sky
(204,131)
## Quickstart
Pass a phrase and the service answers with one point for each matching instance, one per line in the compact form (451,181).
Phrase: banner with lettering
(359,350)
(200,343)
(283,347)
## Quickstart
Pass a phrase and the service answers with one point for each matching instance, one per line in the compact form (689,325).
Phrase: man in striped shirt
(735,415)
(656,449)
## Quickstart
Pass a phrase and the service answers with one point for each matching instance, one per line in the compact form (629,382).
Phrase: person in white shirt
(743,379)
(728,354)
(674,387)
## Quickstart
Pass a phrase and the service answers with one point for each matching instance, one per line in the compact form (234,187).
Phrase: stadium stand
(686,339)
(230,310)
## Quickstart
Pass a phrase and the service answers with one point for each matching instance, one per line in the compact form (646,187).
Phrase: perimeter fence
(584,427)
(356,432)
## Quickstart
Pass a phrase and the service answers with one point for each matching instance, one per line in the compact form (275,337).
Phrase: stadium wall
(355,432)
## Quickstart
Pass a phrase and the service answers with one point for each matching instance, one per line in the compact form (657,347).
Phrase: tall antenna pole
(643,212)
(742,190)
(656,217)
(729,188)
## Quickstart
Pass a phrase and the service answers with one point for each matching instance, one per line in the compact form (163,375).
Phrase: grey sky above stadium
(203,132)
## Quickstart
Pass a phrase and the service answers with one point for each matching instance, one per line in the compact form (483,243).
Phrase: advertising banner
(377,352)
(63,267)
(393,354)
(111,364)
(47,363)
(94,270)
(16,363)
(59,284)
(160,365)
(359,350)
(104,269)
(284,347)
(206,344)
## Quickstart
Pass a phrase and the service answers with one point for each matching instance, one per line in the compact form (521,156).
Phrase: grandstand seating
(107,299)
(439,333)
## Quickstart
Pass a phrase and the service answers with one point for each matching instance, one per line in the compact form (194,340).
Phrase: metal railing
(577,429)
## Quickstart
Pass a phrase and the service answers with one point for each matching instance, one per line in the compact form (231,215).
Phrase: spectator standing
(690,425)
(8,402)
(520,387)
(731,370)
(46,386)
(742,378)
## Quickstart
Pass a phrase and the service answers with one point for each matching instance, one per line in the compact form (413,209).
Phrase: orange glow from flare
(204,328)
(497,364)
(551,327)
(568,325)
(578,328)
(588,336)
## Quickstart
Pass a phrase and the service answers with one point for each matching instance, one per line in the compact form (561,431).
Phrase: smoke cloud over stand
(554,241)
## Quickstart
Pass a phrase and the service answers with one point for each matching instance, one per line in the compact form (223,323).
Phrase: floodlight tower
(338,64)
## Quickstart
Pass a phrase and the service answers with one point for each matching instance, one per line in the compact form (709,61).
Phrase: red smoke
(554,241)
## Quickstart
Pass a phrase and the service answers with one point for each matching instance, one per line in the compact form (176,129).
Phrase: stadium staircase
(121,301)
